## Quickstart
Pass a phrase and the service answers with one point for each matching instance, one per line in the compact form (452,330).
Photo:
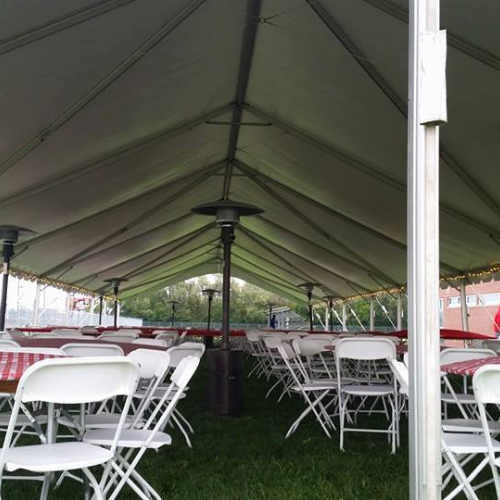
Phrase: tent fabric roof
(119,116)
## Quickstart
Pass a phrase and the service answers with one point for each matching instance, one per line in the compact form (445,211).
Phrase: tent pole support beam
(463,306)
(249,232)
(135,222)
(392,95)
(294,273)
(368,169)
(315,227)
(327,250)
(423,273)
(454,40)
(169,184)
(131,259)
(101,86)
(60,23)
(253,8)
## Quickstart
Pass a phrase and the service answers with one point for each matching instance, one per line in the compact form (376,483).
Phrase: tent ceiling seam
(335,29)
(367,169)
(101,86)
(253,8)
(59,24)
(122,153)
(135,222)
(454,40)
(317,228)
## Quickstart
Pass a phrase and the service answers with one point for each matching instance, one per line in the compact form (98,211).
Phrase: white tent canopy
(119,116)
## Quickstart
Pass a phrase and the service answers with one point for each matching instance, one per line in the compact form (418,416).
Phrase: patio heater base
(225,381)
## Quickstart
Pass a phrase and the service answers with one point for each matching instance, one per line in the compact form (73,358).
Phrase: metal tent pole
(427,109)
(36,305)
(399,321)
(344,317)
(463,307)
(100,309)
(372,316)
(115,308)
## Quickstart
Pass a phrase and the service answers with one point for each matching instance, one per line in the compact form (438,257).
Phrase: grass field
(247,458)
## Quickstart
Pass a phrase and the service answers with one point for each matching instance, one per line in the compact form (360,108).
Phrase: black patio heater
(329,302)
(101,298)
(115,284)
(209,293)
(9,235)
(308,288)
(270,305)
(225,366)
(173,304)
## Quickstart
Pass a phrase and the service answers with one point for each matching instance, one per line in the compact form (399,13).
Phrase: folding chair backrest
(152,363)
(272,342)
(78,380)
(132,332)
(120,333)
(117,338)
(453,355)
(80,350)
(89,330)
(281,335)
(310,347)
(195,345)
(486,384)
(401,373)
(178,353)
(8,343)
(182,336)
(494,345)
(323,336)
(17,334)
(67,332)
(252,336)
(155,342)
(365,349)
(345,335)
(293,336)
(160,334)
(286,351)
(43,335)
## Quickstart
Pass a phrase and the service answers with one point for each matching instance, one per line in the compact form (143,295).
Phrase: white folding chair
(494,345)
(151,436)
(370,351)
(8,343)
(118,339)
(313,393)
(460,449)
(78,350)
(43,335)
(67,333)
(122,334)
(154,342)
(68,381)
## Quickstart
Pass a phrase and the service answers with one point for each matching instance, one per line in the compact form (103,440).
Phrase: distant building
(483,301)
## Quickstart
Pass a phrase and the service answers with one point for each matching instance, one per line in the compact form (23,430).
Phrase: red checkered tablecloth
(469,367)
(14,364)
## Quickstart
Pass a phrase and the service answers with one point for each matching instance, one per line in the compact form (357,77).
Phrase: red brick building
(483,301)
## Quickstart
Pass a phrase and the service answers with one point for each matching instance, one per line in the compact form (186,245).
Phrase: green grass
(248,458)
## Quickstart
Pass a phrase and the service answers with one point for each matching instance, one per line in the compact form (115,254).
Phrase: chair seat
(56,457)
(467,425)
(98,420)
(314,387)
(468,443)
(21,420)
(367,390)
(129,438)
(463,398)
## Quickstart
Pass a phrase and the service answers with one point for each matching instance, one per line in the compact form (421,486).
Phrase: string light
(56,284)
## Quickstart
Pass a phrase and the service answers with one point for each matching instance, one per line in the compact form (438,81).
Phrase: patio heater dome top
(115,281)
(172,301)
(210,292)
(11,233)
(227,212)
(308,287)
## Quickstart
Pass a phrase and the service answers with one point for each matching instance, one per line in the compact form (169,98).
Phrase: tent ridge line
(360,58)
(167,184)
(367,169)
(159,274)
(153,264)
(253,8)
(305,259)
(101,86)
(315,227)
(271,263)
(152,250)
(135,222)
(59,24)
(327,250)
(325,208)
(118,155)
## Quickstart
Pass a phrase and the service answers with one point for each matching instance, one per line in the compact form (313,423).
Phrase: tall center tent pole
(427,110)
(463,307)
